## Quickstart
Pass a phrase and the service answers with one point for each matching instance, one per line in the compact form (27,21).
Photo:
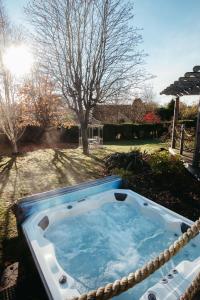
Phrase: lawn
(47,169)
(125,146)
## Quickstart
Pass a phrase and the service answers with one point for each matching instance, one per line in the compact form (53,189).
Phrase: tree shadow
(5,168)
(69,167)
(96,158)
(6,208)
(102,152)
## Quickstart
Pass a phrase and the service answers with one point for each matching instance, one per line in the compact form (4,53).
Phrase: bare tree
(90,48)
(147,93)
(137,110)
(148,96)
(11,123)
(11,120)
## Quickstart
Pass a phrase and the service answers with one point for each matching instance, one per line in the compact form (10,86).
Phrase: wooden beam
(195,80)
(196,69)
(187,85)
(193,74)
(170,93)
(181,90)
(175,119)
(196,157)
(182,138)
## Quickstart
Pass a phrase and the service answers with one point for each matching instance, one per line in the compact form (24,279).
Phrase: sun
(18,60)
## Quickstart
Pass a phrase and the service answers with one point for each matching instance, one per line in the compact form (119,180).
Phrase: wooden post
(182,138)
(196,156)
(99,135)
(101,131)
(175,118)
(80,137)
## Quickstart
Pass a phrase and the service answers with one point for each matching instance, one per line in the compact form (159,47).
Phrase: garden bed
(159,177)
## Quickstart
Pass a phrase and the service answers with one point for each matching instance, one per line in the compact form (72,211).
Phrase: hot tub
(84,237)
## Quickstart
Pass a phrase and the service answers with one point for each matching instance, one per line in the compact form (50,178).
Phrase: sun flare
(18,60)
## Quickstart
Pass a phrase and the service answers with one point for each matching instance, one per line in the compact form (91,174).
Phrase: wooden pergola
(187,85)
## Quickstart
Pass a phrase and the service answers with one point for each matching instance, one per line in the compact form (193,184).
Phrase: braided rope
(192,289)
(121,285)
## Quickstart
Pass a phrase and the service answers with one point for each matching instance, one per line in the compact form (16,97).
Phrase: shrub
(151,117)
(162,163)
(122,173)
(134,161)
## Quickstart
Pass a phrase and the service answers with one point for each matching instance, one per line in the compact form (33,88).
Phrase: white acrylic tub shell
(44,254)
(186,271)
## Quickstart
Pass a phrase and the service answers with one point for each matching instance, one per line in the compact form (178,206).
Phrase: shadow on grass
(74,168)
(6,211)
(5,169)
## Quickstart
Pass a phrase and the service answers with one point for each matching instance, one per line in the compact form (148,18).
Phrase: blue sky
(171,38)
(171,34)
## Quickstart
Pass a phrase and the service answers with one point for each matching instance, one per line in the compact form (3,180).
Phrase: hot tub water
(107,243)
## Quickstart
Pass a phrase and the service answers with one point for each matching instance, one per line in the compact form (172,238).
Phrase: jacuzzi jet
(164,280)
(175,271)
(170,276)
(145,204)
(152,296)
(120,196)
(63,279)
(69,206)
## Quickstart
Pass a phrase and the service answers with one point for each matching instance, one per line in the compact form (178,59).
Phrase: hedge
(70,135)
(125,131)
(111,132)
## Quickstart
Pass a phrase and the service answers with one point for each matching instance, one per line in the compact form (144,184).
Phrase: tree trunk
(85,139)
(15,147)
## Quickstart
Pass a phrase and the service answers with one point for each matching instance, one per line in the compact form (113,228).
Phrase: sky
(171,37)
(171,34)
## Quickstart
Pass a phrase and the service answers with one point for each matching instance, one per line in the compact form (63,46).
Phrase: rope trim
(192,289)
(121,285)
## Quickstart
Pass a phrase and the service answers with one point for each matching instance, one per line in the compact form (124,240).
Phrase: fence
(185,139)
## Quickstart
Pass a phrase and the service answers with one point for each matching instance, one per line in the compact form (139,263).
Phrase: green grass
(44,170)
(125,146)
